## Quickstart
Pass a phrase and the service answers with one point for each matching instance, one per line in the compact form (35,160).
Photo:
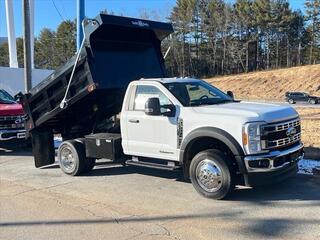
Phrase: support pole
(31,4)
(80,17)
(26,45)
(13,60)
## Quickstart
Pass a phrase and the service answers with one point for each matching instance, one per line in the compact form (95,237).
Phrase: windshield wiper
(201,104)
(214,103)
(225,101)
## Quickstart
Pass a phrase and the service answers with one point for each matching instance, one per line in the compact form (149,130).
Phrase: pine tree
(45,53)
(247,31)
(65,41)
(263,20)
(4,55)
(313,17)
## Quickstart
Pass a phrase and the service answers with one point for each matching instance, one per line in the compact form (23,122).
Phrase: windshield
(6,97)
(196,93)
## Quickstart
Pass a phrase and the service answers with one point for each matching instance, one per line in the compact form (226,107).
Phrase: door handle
(134,120)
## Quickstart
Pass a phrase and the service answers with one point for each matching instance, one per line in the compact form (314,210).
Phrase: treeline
(52,49)
(216,37)
(212,37)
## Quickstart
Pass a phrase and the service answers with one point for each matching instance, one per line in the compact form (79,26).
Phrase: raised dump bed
(117,50)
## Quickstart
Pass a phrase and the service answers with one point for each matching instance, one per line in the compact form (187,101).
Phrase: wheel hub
(209,175)
(67,159)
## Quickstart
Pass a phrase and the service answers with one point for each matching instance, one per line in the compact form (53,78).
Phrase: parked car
(11,119)
(294,97)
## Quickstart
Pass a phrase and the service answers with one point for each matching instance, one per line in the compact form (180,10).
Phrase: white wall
(12,79)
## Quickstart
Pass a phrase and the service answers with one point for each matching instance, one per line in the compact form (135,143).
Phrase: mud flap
(42,147)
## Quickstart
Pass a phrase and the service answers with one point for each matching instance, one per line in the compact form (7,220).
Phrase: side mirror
(171,110)
(152,107)
(230,94)
(18,97)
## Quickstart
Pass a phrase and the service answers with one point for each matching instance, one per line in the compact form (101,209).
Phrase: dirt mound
(271,84)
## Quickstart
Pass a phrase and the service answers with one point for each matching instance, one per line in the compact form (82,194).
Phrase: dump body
(117,51)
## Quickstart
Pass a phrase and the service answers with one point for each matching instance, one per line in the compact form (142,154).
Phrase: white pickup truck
(185,123)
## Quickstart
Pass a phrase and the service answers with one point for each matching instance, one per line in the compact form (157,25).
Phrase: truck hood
(11,109)
(250,111)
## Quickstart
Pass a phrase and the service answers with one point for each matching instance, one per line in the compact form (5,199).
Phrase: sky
(49,13)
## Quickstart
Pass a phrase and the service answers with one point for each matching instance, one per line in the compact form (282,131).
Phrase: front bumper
(6,135)
(266,178)
(277,159)
(282,164)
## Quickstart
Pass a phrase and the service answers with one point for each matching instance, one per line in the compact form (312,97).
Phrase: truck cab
(218,141)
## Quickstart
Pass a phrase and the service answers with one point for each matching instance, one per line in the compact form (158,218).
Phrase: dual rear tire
(72,158)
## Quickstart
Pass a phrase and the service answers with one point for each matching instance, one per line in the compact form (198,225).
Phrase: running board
(152,165)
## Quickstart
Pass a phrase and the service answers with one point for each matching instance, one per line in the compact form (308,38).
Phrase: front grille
(11,122)
(280,135)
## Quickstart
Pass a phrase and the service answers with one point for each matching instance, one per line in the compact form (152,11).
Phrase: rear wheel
(72,157)
(312,101)
(212,174)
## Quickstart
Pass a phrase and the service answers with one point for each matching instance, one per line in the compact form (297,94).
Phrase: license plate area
(21,135)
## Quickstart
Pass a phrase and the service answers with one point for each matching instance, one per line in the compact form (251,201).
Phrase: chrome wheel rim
(67,159)
(209,175)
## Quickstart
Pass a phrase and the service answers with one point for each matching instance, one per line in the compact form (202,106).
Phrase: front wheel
(291,101)
(212,174)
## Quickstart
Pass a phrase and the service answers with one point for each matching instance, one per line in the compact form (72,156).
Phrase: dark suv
(294,97)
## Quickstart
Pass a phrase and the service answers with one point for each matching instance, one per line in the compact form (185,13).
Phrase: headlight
(251,137)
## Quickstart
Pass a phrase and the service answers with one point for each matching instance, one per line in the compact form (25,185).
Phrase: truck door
(150,136)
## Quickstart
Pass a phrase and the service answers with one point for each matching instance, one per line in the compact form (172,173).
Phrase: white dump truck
(121,106)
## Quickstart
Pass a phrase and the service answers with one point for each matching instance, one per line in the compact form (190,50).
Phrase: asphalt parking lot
(114,202)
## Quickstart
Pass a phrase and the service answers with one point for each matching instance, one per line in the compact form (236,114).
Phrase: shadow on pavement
(260,228)
(312,153)
(15,150)
(105,169)
(300,187)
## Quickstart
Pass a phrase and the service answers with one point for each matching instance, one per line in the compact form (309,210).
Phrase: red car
(11,119)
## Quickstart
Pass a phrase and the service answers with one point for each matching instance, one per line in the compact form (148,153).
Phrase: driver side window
(144,92)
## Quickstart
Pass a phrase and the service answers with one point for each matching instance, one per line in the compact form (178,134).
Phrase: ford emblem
(18,120)
(291,131)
